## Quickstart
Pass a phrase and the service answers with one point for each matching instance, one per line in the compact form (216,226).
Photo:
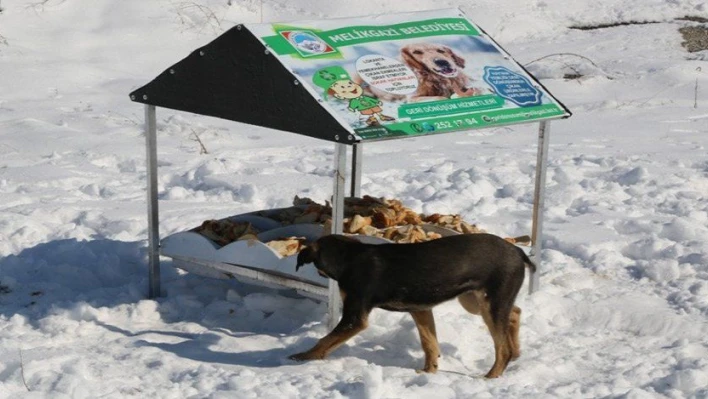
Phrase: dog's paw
(491,375)
(428,369)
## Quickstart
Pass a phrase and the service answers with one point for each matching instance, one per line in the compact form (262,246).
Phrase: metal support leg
(153,227)
(544,131)
(340,170)
(357,156)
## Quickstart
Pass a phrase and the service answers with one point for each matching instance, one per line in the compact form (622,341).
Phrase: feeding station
(352,82)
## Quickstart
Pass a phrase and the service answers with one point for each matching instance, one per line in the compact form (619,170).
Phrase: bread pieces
(370,216)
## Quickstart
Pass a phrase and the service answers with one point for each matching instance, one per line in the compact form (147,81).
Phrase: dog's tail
(526,259)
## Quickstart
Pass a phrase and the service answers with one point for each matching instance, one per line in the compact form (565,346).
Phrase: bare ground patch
(695,38)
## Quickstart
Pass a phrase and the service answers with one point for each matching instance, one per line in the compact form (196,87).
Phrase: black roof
(235,78)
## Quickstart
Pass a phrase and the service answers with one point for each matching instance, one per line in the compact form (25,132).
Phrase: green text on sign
(474,120)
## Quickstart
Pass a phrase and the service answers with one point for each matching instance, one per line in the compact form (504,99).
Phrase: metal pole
(357,157)
(153,227)
(340,170)
(544,131)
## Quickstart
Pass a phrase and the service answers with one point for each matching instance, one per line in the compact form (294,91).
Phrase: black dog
(484,272)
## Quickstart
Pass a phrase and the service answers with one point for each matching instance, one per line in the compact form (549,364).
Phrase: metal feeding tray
(253,261)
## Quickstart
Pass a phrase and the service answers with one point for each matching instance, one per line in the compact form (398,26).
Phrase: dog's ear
(307,255)
(459,61)
(410,60)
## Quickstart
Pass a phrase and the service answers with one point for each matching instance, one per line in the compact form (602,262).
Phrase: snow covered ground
(623,305)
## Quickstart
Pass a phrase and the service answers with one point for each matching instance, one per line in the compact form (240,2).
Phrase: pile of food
(224,232)
(369,216)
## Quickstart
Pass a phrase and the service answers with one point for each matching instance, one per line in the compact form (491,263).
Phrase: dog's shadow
(205,346)
(198,349)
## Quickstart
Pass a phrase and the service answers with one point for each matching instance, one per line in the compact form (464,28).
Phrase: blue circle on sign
(512,86)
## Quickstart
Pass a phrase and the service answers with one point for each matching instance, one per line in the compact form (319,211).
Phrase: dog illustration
(483,271)
(439,71)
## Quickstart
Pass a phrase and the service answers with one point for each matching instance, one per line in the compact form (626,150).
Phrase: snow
(622,310)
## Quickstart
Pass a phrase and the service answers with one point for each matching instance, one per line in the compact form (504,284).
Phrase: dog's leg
(498,325)
(354,320)
(468,300)
(425,322)
(514,323)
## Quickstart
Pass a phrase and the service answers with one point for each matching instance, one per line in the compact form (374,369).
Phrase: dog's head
(307,255)
(328,254)
(434,58)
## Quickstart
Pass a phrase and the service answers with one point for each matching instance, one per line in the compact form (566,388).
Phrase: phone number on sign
(456,123)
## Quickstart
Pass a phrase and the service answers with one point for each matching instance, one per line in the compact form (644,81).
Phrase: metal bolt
(351,137)
(267,52)
(172,71)
(239,27)
(296,82)
(201,52)
(132,97)
(336,137)
(145,96)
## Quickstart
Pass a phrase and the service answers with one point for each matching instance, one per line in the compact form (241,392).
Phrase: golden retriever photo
(440,72)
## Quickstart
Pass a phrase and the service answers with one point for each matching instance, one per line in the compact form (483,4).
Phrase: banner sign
(408,74)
